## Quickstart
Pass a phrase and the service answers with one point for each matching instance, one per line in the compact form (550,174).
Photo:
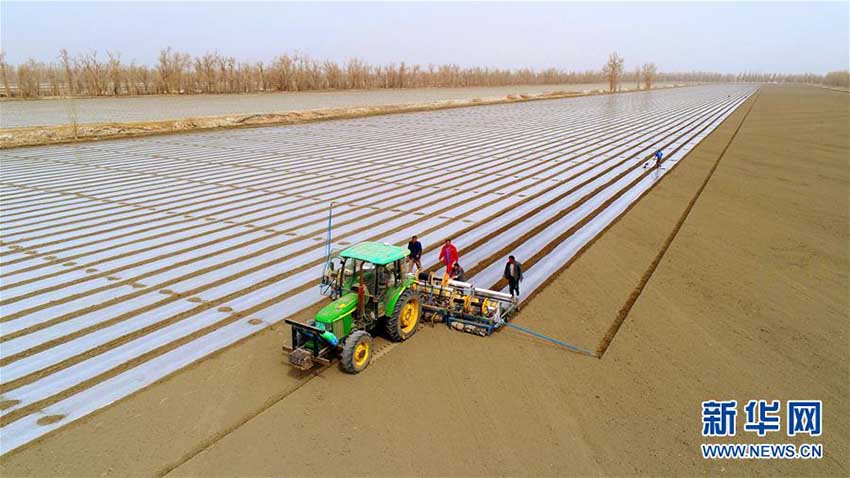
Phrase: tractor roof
(375,252)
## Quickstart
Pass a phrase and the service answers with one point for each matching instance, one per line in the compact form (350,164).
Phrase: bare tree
(205,72)
(116,72)
(334,74)
(28,80)
(648,72)
(260,76)
(94,73)
(613,71)
(357,74)
(281,73)
(227,67)
(68,67)
(837,78)
(53,81)
(145,78)
(4,67)
(172,70)
(164,70)
(401,76)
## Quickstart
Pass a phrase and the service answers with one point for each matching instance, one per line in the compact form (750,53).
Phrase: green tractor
(370,293)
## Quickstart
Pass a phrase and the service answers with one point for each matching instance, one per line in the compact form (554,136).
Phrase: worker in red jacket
(448,256)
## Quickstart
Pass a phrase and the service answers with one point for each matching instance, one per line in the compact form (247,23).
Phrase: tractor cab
(368,289)
(371,270)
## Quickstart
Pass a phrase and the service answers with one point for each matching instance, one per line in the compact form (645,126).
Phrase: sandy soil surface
(749,301)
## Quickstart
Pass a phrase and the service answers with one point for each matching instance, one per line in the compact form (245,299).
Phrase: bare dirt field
(749,301)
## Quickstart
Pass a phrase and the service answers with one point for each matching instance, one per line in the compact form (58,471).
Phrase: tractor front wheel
(357,352)
(405,317)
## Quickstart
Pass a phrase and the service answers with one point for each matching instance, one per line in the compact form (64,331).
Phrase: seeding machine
(370,294)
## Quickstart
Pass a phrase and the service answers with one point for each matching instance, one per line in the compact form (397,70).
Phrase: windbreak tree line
(92,74)
(644,76)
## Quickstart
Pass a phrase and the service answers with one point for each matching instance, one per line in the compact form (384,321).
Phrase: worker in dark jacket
(414,256)
(513,273)
(457,273)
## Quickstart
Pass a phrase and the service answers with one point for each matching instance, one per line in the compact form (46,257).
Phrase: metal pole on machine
(330,219)
(324,286)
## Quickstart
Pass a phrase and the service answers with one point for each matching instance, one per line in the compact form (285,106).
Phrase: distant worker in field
(513,273)
(414,257)
(658,155)
(458,273)
(448,256)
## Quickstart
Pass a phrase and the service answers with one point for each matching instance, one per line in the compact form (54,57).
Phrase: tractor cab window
(354,268)
(385,277)
(336,264)
(350,267)
(391,277)
(346,268)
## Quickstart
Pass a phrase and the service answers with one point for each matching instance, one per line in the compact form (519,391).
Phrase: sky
(720,37)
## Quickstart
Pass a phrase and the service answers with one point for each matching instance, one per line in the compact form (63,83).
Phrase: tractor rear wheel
(405,317)
(357,352)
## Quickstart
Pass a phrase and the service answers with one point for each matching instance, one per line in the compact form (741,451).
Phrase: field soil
(748,302)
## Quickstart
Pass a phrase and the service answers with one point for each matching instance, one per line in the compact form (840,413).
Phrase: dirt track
(720,318)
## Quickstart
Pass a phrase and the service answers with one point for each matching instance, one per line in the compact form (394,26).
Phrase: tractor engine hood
(338,308)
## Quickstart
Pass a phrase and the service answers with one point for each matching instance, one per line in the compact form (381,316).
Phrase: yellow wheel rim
(409,316)
(485,306)
(361,353)
(467,304)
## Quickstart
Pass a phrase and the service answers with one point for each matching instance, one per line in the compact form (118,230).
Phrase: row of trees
(837,78)
(646,74)
(91,74)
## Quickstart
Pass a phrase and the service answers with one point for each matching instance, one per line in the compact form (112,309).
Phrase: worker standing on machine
(448,256)
(458,273)
(415,255)
(513,273)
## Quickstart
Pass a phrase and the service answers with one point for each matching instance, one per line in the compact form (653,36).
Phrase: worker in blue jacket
(658,155)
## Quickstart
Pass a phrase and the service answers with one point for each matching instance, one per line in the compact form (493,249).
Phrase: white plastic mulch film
(170,248)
